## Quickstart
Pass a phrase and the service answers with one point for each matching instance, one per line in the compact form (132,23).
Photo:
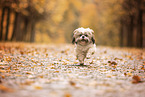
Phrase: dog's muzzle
(83,36)
(83,41)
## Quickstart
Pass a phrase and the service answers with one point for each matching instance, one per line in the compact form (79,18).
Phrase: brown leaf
(2,76)
(113,62)
(67,95)
(46,55)
(5,89)
(136,79)
(125,74)
(29,72)
(72,83)
(21,52)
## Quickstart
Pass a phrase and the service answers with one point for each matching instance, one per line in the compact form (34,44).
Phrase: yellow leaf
(109,76)
(67,95)
(129,74)
(38,87)
(56,71)
(3,71)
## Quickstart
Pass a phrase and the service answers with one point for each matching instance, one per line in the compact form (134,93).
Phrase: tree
(133,22)
(27,13)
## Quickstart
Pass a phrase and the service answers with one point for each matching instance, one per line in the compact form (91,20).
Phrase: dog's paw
(88,57)
(81,63)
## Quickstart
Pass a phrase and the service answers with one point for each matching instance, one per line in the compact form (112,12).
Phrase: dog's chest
(84,49)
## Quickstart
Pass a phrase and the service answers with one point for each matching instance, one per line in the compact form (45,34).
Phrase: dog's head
(83,36)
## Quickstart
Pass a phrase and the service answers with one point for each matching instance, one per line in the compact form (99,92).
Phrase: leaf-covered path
(34,70)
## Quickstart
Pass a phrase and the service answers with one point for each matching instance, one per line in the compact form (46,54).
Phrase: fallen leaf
(129,74)
(2,76)
(136,79)
(56,71)
(21,52)
(38,87)
(67,95)
(72,83)
(29,72)
(5,89)
(3,71)
(113,62)
(125,74)
(27,82)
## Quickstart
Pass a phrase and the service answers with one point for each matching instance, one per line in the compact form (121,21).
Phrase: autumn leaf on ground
(67,95)
(72,83)
(53,69)
(37,87)
(5,89)
(28,82)
(136,79)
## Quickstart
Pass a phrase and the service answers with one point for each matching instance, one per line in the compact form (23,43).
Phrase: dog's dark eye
(86,35)
(80,35)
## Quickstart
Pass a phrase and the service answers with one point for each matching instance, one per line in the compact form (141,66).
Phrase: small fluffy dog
(83,38)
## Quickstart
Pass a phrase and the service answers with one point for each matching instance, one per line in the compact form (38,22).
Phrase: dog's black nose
(83,36)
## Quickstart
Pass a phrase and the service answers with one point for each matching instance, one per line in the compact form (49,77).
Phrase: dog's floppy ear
(93,39)
(73,40)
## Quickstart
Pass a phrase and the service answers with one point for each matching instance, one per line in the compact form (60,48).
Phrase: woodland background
(115,22)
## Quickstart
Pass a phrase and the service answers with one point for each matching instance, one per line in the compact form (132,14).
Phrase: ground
(51,70)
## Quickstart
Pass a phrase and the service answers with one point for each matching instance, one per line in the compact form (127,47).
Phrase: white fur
(84,30)
(84,49)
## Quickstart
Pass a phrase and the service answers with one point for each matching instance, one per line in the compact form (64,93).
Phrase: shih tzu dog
(83,38)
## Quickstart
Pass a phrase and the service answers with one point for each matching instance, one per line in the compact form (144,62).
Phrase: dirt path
(32,70)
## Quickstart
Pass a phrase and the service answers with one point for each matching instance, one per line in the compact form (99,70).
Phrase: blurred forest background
(115,22)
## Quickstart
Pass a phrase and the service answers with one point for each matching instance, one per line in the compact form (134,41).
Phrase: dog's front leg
(91,52)
(81,57)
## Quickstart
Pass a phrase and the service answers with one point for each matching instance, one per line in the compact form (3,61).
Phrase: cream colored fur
(84,42)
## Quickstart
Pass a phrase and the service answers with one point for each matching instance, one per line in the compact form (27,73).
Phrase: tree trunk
(17,30)
(139,24)
(25,29)
(2,20)
(143,26)
(32,37)
(139,29)
(130,32)
(121,33)
(7,27)
(15,26)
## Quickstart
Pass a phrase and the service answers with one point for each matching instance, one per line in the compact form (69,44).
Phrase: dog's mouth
(83,41)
